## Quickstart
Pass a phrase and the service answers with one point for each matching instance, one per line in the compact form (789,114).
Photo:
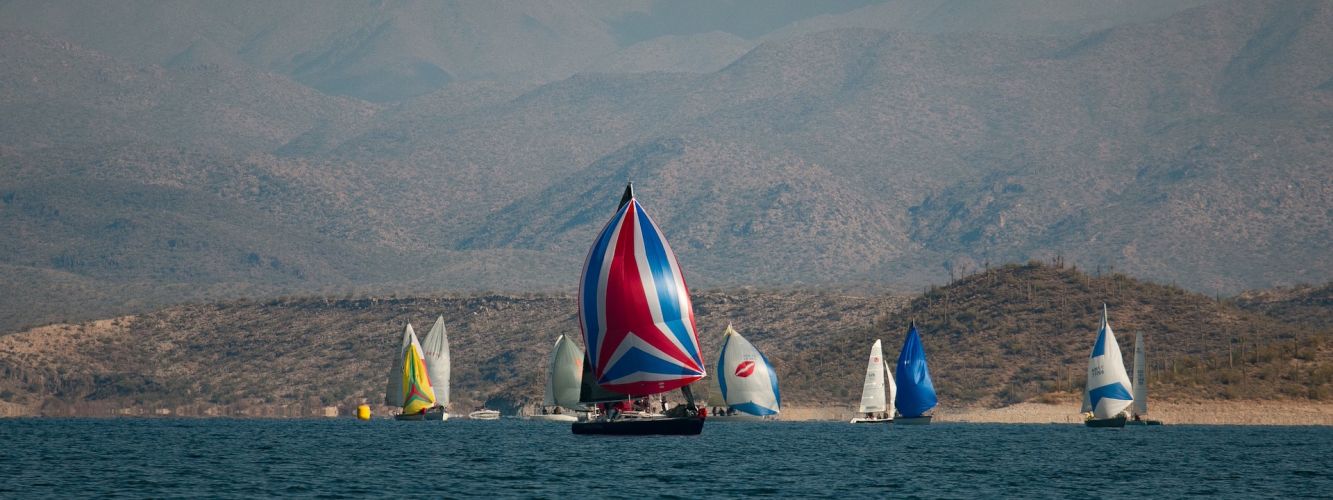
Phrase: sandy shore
(1189,412)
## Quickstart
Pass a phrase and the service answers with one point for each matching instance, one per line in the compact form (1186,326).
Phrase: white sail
(393,394)
(436,353)
(1108,388)
(872,392)
(1140,377)
(747,381)
(564,374)
(893,389)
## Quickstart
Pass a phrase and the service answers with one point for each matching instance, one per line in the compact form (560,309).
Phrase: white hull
(872,421)
(552,418)
(484,415)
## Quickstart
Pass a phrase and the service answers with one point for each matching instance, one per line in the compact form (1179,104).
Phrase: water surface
(515,458)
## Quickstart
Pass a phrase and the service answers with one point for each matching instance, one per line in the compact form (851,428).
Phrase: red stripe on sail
(625,302)
(627,305)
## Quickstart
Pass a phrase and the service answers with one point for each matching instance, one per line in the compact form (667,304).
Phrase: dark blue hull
(682,426)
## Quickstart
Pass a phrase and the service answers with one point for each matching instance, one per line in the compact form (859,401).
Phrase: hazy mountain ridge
(373,50)
(856,154)
(1000,336)
(61,95)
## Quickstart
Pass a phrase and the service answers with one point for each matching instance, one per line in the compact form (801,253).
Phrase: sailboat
(1108,389)
(409,383)
(435,351)
(748,382)
(877,408)
(916,392)
(638,324)
(1139,409)
(563,376)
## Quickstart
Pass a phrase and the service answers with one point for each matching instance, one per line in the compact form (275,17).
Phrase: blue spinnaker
(916,393)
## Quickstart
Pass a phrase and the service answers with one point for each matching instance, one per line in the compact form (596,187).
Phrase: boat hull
(431,414)
(922,420)
(1116,421)
(872,421)
(678,426)
(553,418)
(1143,422)
(484,415)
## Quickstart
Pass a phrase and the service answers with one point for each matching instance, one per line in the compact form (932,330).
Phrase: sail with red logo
(638,324)
(747,380)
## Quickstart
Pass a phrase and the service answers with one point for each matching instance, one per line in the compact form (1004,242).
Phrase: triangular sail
(1140,377)
(564,375)
(872,391)
(634,308)
(892,390)
(916,392)
(393,393)
(417,392)
(1108,389)
(746,378)
(590,392)
(436,350)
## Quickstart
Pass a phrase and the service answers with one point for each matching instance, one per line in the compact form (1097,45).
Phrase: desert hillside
(997,337)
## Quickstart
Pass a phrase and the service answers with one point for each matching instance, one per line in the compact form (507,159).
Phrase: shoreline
(1201,412)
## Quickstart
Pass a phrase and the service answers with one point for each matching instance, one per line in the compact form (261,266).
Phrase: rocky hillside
(1000,336)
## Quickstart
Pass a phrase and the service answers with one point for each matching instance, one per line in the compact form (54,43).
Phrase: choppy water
(515,458)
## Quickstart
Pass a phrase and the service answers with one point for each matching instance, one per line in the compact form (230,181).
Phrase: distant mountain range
(155,153)
(997,337)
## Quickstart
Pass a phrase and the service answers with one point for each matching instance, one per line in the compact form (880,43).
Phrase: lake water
(515,458)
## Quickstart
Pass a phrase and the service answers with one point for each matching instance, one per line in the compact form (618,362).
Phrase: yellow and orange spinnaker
(417,392)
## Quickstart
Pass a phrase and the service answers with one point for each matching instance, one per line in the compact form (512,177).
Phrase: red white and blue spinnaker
(634,308)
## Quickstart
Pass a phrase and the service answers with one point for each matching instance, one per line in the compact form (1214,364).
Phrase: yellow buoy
(363,412)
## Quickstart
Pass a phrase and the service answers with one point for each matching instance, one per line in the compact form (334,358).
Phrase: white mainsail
(893,389)
(393,394)
(1140,377)
(1108,389)
(436,354)
(747,380)
(564,375)
(872,392)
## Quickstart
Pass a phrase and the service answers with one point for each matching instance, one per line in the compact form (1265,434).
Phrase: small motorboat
(484,414)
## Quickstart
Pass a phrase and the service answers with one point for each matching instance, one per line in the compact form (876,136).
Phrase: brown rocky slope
(996,337)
